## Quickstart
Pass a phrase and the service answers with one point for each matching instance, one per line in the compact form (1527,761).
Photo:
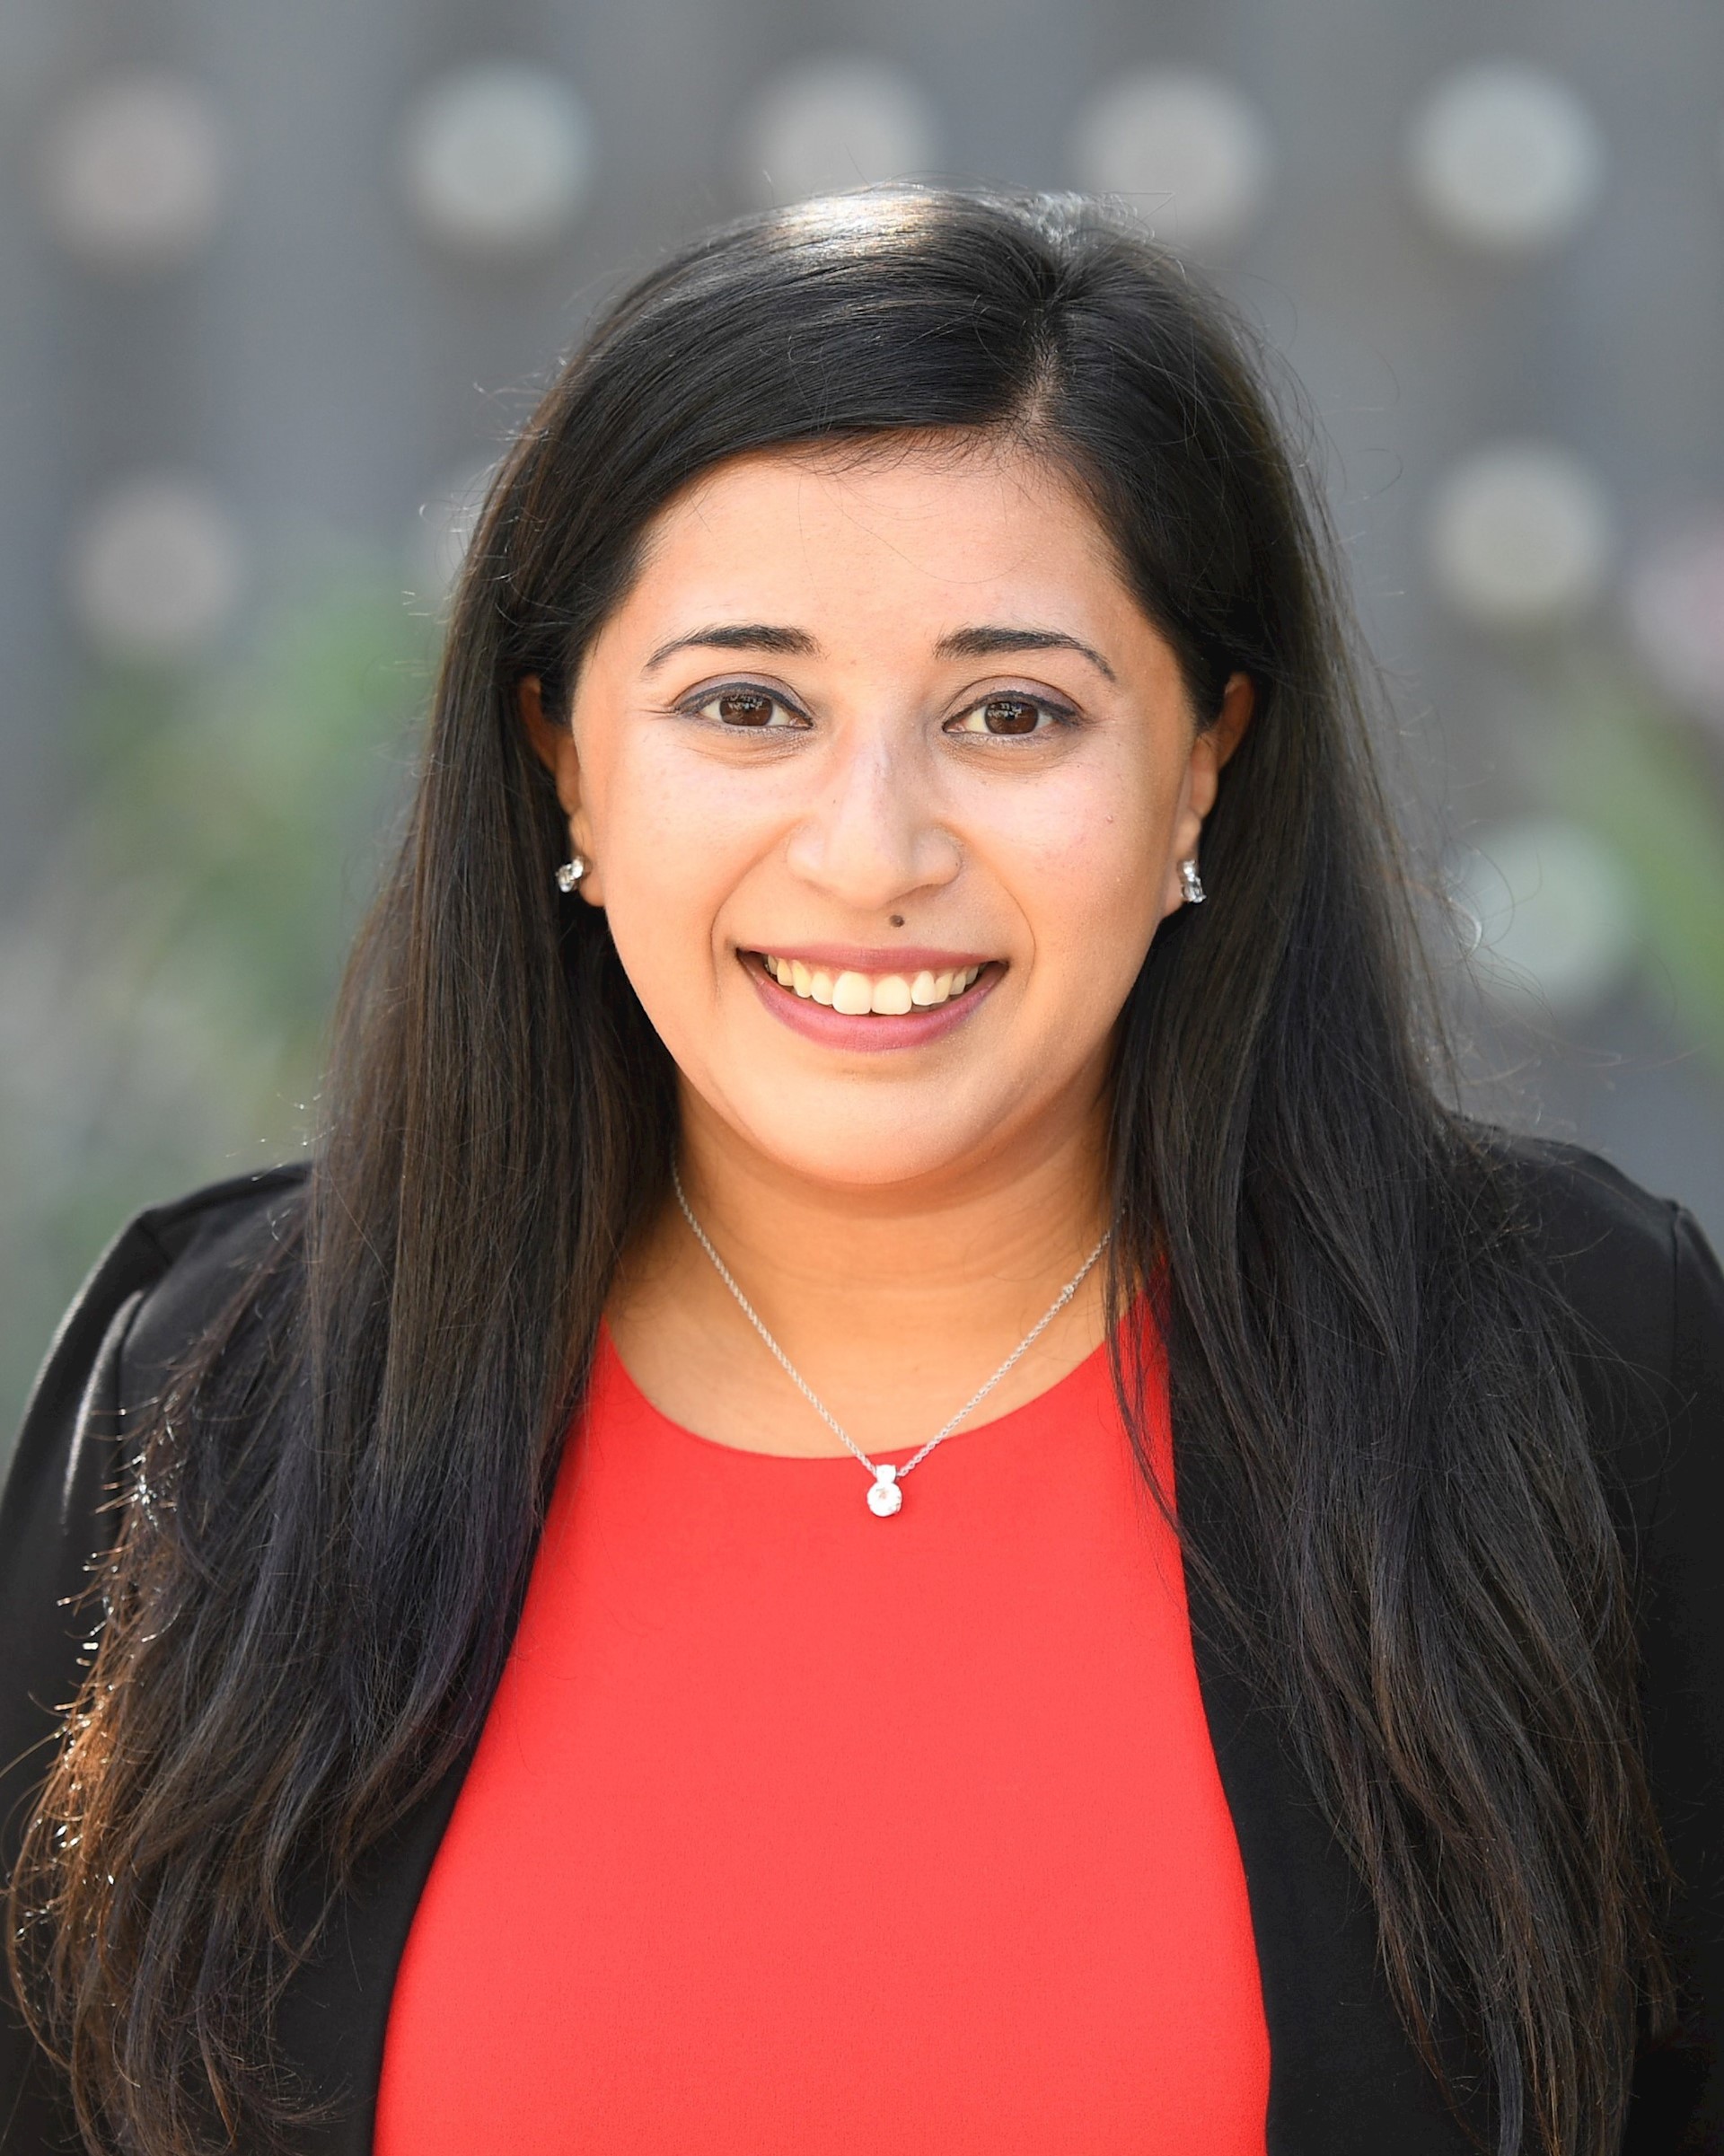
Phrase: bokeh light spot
(497,159)
(1184,148)
(156,570)
(834,123)
(1504,159)
(133,174)
(1553,915)
(1521,536)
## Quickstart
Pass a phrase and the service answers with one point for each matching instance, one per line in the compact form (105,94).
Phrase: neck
(893,1301)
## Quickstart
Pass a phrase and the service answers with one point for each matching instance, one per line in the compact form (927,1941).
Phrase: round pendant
(885,1496)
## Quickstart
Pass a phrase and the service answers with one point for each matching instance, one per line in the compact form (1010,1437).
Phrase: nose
(876,834)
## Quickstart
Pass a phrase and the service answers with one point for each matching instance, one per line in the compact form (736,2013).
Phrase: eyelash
(1061,715)
(695,706)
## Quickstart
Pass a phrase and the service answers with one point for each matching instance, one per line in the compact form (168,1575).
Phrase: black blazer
(1344,2081)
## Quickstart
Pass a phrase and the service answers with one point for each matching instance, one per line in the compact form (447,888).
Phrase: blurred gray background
(280,276)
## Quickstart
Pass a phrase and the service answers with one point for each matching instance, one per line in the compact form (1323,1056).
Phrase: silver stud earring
(571,872)
(1191,883)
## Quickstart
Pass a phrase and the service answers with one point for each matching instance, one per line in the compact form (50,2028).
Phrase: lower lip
(879,1030)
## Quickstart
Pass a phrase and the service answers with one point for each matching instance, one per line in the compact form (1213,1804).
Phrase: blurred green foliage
(1610,754)
(164,997)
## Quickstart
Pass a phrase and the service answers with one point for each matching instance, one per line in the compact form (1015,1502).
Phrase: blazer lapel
(1345,2078)
(334,2014)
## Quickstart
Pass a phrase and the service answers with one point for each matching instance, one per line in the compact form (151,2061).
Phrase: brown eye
(1009,715)
(744,708)
(1003,716)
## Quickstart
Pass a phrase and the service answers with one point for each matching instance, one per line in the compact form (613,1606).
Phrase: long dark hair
(338,1500)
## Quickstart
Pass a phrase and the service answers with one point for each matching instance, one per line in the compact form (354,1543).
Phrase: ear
(553,744)
(1211,747)
(1239,701)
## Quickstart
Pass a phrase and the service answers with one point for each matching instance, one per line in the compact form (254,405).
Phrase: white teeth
(888,995)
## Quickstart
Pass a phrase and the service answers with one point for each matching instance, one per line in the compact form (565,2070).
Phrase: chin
(843,1145)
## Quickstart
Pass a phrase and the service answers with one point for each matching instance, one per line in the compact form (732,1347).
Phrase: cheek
(1088,863)
(672,849)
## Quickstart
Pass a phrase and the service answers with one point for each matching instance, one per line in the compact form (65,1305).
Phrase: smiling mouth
(857,995)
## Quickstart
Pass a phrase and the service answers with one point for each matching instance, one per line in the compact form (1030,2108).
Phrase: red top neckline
(608,1365)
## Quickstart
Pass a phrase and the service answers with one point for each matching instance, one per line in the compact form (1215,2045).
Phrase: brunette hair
(338,1502)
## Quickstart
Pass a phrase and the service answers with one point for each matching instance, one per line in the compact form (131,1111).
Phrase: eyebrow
(740,636)
(987,643)
(979,643)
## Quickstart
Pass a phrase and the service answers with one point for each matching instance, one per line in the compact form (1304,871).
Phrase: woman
(897,913)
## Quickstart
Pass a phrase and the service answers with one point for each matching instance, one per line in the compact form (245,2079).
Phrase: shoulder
(206,1241)
(207,1245)
(169,1273)
(1644,1288)
(1641,1298)
(1634,1267)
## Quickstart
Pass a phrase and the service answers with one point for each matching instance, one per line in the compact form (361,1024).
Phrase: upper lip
(859,958)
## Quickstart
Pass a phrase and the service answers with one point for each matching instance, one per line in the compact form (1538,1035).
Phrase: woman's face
(883,776)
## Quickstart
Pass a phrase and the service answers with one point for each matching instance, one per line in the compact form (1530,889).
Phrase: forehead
(904,533)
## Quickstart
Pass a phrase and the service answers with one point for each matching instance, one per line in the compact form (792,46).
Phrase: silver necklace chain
(885,1496)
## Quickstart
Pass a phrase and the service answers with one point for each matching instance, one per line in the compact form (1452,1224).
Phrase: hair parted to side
(1377,1422)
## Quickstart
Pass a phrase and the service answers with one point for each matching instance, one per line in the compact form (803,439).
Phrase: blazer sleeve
(53,1528)
(1679,2094)
(164,1276)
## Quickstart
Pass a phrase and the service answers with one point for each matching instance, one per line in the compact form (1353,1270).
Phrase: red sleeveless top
(794,1830)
